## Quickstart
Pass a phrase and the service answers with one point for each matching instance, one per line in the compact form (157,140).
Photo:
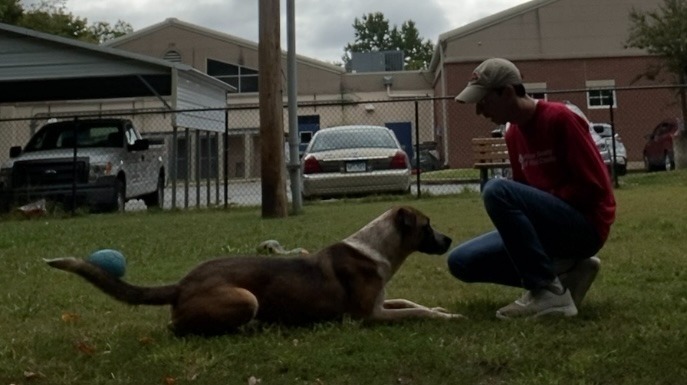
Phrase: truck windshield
(89,134)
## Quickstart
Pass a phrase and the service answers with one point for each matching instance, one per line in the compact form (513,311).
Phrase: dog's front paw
(443,313)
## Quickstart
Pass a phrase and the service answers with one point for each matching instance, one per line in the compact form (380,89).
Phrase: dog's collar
(383,265)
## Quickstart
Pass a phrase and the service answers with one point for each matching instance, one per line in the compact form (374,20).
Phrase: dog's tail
(115,287)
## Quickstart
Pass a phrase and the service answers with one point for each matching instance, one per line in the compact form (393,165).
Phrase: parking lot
(249,193)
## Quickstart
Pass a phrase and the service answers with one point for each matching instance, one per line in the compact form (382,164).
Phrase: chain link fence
(158,162)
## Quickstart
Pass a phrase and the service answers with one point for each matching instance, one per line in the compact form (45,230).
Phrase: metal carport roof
(36,66)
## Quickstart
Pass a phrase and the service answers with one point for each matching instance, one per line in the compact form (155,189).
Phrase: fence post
(614,175)
(188,165)
(197,168)
(417,150)
(208,149)
(226,158)
(175,164)
(217,147)
(74,160)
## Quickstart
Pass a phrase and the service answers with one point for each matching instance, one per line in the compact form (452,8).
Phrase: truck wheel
(669,162)
(156,199)
(4,206)
(118,197)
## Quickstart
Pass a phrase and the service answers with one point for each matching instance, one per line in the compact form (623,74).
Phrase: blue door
(404,134)
(308,125)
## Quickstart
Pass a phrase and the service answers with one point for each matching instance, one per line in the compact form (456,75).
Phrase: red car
(658,150)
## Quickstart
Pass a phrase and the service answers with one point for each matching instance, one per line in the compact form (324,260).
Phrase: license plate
(356,167)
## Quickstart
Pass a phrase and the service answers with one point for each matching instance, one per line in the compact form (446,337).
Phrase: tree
(102,31)
(372,33)
(52,16)
(418,53)
(10,11)
(663,32)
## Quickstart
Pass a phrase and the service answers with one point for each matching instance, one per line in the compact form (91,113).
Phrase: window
(209,159)
(131,135)
(536,90)
(601,94)
(242,78)
(306,136)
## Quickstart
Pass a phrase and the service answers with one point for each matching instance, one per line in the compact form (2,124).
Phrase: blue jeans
(533,228)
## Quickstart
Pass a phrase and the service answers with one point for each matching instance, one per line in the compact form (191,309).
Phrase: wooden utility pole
(272,163)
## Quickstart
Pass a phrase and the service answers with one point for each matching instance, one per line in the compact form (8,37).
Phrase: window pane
(538,95)
(599,98)
(607,98)
(248,71)
(231,80)
(218,68)
(249,84)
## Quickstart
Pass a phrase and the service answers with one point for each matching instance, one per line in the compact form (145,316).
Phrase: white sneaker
(579,277)
(539,303)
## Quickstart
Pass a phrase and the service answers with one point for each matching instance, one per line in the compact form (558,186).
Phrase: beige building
(327,95)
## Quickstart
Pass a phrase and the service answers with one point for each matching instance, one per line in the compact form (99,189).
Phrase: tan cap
(490,74)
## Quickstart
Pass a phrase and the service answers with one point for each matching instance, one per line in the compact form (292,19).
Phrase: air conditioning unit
(376,61)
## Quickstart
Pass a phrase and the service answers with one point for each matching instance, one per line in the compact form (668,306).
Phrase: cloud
(323,28)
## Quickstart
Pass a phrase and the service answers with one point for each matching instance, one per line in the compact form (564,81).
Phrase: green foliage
(418,52)
(102,31)
(663,32)
(373,33)
(53,17)
(10,11)
(57,329)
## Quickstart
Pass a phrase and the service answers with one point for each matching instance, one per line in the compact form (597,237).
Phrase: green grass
(57,329)
(454,174)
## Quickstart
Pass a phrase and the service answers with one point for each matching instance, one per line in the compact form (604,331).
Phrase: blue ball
(112,261)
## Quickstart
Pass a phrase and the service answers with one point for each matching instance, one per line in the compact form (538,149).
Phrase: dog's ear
(406,218)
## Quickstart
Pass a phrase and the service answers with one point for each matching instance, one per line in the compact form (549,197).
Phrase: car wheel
(157,198)
(621,170)
(647,164)
(669,162)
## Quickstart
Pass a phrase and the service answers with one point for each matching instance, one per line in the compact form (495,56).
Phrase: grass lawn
(57,329)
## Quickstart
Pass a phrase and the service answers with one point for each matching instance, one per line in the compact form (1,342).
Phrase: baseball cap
(490,74)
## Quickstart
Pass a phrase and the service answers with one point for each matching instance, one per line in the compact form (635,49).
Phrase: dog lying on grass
(346,278)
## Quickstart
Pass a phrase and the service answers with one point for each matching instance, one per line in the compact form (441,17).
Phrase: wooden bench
(489,154)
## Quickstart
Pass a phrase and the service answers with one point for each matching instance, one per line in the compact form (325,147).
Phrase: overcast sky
(323,27)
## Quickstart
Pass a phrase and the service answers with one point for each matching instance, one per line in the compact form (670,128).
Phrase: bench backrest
(490,152)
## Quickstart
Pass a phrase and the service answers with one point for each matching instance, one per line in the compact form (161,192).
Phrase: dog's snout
(435,242)
(446,241)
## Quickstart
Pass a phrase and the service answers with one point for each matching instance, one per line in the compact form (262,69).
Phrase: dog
(346,278)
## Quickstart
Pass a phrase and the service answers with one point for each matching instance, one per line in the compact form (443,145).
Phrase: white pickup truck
(98,162)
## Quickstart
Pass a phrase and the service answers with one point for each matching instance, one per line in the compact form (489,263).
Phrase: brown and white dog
(345,278)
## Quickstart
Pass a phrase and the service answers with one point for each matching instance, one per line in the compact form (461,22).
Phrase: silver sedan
(354,160)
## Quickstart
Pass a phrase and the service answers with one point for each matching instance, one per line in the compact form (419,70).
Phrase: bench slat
(491,165)
(489,153)
(489,141)
(490,159)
